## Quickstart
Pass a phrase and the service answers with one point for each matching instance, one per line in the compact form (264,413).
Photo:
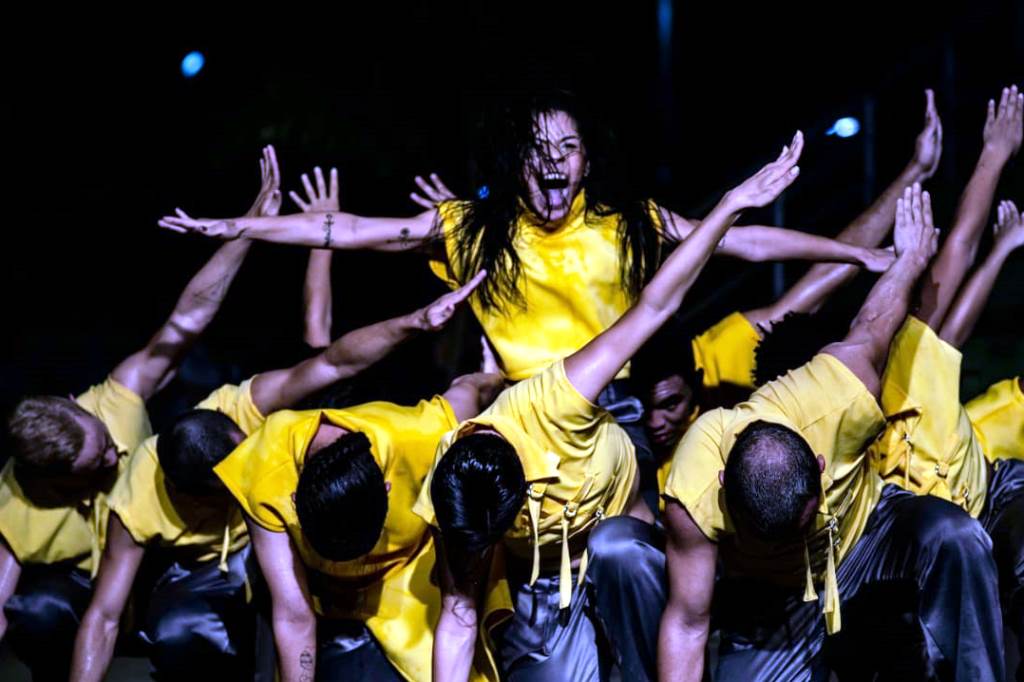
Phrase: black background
(105,135)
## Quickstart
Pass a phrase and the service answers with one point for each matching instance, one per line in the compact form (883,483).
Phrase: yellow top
(998,418)
(390,588)
(579,464)
(928,446)
(727,352)
(570,279)
(153,514)
(49,534)
(825,403)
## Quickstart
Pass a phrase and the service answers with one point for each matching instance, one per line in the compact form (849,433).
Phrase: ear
(387,486)
(721,477)
(821,463)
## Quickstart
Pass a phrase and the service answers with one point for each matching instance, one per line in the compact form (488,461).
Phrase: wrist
(915,171)
(994,154)
(416,321)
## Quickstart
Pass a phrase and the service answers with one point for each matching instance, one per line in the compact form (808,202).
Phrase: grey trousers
(919,601)
(611,626)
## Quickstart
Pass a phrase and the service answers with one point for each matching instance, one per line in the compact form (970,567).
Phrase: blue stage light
(192,64)
(847,126)
(483,192)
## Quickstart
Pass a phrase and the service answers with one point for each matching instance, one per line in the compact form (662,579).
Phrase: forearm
(763,243)
(357,350)
(295,637)
(454,645)
(884,310)
(317,299)
(336,230)
(10,571)
(966,310)
(205,292)
(680,650)
(961,246)
(94,646)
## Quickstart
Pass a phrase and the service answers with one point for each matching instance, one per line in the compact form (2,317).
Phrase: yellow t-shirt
(928,446)
(998,418)
(575,457)
(825,403)
(51,534)
(570,279)
(727,352)
(391,587)
(153,514)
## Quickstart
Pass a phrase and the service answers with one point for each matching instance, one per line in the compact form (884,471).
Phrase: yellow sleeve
(998,417)
(450,214)
(262,475)
(424,506)
(693,474)
(727,352)
(236,403)
(121,410)
(548,407)
(135,498)
(826,403)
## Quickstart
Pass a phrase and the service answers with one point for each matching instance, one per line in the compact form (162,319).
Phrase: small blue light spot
(192,64)
(483,192)
(847,126)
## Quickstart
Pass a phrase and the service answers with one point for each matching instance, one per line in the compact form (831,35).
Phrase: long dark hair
(487,228)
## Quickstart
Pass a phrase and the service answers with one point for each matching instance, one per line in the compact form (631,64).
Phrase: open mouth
(553,181)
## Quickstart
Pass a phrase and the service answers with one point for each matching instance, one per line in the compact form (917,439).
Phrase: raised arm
(1009,236)
(94,644)
(869,229)
(690,562)
(1002,139)
(291,608)
(10,571)
(866,346)
(354,352)
(318,229)
(147,370)
(592,367)
(316,292)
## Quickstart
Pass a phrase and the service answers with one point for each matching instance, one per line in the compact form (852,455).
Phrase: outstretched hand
(268,200)
(267,203)
(434,192)
(436,315)
(1009,226)
(321,199)
(764,186)
(915,236)
(1003,123)
(928,146)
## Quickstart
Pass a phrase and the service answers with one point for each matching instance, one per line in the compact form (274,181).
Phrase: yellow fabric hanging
(94,538)
(809,593)
(225,547)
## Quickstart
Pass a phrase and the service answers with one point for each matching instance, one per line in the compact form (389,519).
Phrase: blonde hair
(45,433)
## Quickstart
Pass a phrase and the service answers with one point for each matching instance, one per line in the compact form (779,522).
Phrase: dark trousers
(612,622)
(347,650)
(200,623)
(43,616)
(1003,519)
(628,412)
(919,601)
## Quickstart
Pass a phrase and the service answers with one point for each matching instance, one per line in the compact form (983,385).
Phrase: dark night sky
(107,136)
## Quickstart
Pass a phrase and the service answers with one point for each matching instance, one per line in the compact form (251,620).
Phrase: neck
(325,434)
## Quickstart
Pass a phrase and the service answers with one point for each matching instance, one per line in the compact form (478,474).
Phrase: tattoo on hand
(328,224)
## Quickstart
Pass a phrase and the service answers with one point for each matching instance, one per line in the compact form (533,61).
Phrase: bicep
(10,572)
(858,357)
(118,567)
(283,570)
(690,559)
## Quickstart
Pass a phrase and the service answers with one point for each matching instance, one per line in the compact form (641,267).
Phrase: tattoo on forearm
(306,662)
(404,237)
(328,225)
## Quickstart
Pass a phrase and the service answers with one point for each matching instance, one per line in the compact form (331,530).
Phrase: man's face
(98,451)
(668,408)
(556,167)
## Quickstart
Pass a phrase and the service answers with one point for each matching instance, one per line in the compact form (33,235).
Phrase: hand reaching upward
(1003,123)
(928,146)
(434,192)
